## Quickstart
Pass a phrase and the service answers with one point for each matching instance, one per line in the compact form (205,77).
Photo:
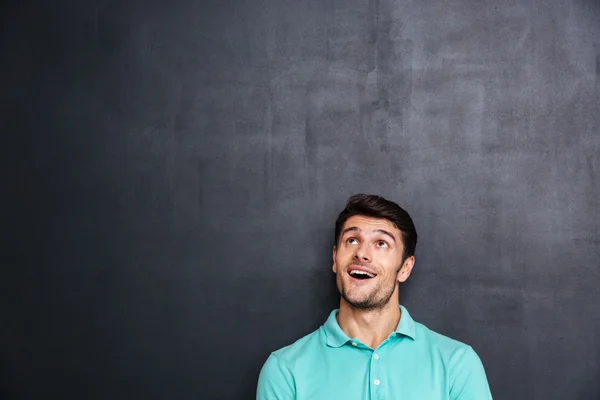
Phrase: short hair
(374,206)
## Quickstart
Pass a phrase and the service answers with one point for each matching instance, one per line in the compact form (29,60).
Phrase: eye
(382,244)
(352,241)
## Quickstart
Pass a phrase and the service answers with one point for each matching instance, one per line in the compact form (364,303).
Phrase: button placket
(375,368)
(378,376)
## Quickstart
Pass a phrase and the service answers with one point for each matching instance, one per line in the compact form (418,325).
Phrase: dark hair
(370,205)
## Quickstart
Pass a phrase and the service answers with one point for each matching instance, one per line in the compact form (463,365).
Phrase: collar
(337,338)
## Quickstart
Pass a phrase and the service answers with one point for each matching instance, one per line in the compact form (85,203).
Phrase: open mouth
(358,274)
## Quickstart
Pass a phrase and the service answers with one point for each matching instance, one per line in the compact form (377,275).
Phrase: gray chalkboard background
(171,173)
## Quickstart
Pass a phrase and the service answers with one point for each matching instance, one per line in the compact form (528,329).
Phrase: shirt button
(376,382)
(354,344)
(376,356)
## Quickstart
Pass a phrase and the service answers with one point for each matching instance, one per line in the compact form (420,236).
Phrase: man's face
(368,262)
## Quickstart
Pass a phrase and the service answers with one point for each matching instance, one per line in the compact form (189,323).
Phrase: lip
(360,268)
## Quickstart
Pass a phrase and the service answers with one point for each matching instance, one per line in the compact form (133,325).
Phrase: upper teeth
(359,272)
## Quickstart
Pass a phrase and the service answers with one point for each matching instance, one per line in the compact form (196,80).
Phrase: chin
(364,305)
(360,302)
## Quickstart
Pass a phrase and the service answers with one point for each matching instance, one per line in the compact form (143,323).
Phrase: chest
(365,374)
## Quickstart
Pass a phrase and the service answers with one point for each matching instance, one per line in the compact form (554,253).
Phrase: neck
(371,327)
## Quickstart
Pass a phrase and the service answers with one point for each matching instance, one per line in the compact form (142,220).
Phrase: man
(371,348)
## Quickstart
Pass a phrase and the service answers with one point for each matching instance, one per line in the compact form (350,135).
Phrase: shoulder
(301,348)
(446,346)
(464,367)
(277,377)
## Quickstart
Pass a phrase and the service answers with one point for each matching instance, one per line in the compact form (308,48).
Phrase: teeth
(358,272)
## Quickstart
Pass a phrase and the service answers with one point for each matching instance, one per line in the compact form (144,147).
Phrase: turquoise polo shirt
(413,363)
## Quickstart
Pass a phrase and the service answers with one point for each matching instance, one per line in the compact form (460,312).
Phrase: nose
(362,253)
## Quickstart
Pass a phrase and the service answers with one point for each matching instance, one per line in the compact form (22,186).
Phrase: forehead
(370,224)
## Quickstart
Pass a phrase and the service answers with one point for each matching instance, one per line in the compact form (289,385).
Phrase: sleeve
(468,380)
(275,381)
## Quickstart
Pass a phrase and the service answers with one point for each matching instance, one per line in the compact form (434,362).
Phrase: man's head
(375,242)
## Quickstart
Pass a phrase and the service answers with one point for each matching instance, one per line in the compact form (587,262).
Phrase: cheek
(343,254)
(390,262)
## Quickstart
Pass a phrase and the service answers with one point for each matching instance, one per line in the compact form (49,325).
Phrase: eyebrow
(356,229)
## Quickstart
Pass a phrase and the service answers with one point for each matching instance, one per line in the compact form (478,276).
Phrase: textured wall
(172,172)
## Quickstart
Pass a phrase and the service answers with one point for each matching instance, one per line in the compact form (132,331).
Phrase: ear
(406,269)
(334,264)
